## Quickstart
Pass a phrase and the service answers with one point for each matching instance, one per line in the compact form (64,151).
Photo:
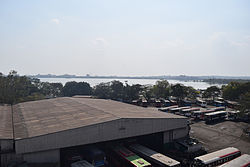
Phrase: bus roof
(203,111)
(243,161)
(132,157)
(200,100)
(191,109)
(154,155)
(216,101)
(138,161)
(215,113)
(211,157)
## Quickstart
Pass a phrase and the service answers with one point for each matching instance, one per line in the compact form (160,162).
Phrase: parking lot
(221,135)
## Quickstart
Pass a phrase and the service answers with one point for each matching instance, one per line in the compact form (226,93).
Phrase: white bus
(213,116)
(216,158)
(200,114)
(242,161)
(189,111)
(155,158)
(201,103)
(166,109)
(178,109)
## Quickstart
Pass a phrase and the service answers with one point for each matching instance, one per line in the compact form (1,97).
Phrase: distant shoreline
(184,78)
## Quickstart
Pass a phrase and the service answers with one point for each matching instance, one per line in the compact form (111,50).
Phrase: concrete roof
(43,117)
(6,130)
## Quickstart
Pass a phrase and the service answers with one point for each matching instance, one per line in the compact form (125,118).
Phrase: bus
(82,163)
(218,108)
(187,112)
(166,109)
(123,157)
(155,158)
(201,103)
(200,114)
(215,116)
(178,109)
(242,161)
(216,158)
(219,103)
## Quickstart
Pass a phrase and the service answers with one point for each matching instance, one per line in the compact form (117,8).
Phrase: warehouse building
(38,131)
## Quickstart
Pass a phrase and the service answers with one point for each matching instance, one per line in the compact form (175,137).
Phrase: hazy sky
(125,37)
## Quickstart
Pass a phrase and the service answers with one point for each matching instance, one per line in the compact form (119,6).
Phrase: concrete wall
(6,145)
(180,133)
(10,157)
(50,156)
(169,136)
(117,129)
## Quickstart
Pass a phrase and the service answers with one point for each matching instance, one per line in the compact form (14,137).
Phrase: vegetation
(239,92)
(116,90)
(15,89)
(76,88)
(211,91)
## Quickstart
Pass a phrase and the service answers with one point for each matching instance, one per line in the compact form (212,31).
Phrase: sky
(125,37)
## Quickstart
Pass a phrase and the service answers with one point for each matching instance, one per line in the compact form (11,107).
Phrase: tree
(191,93)
(117,90)
(76,88)
(51,89)
(179,91)
(15,88)
(161,89)
(132,92)
(245,102)
(211,91)
(103,90)
(234,90)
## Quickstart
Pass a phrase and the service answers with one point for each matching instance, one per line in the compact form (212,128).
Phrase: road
(221,135)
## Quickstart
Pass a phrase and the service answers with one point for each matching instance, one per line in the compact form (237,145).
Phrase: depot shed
(41,128)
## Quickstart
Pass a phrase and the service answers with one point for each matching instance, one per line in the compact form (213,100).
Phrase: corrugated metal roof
(53,115)
(6,130)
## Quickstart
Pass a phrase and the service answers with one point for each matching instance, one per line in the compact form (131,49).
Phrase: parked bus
(233,115)
(178,109)
(82,163)
(201,103)
(188,112)
(144,103)
(218,108)
(213,116)
(216,158)
(219,103)
(242,161)
(123,157)
(166,109)
(200,114)
(155,158)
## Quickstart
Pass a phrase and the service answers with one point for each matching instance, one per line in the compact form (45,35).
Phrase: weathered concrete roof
(54,115)
(6,129)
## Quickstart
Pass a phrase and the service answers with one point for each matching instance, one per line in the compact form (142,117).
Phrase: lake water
(96,81)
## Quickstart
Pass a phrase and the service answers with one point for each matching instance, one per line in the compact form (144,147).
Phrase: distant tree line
(224,81)
(15,88)
(116,90)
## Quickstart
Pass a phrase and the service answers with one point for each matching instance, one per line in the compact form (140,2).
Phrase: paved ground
(221,135)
